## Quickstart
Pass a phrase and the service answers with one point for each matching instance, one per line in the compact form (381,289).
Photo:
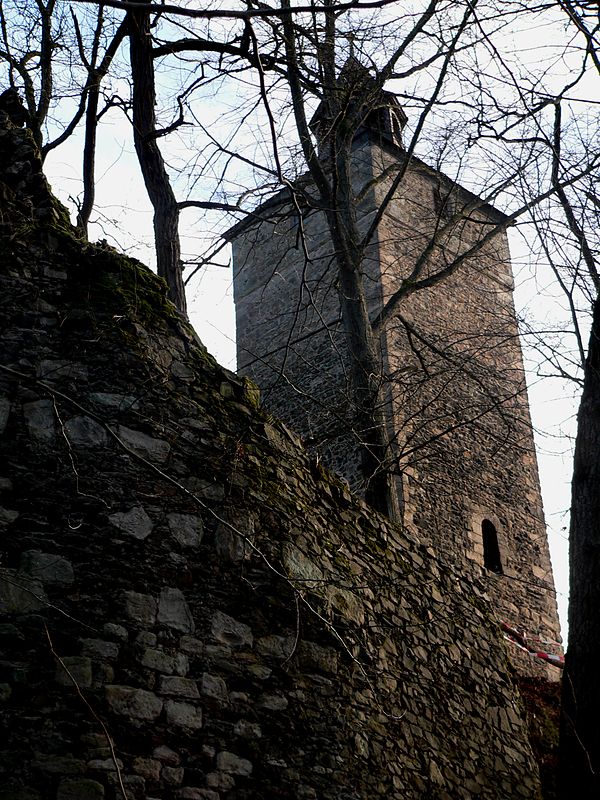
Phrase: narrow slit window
(491,550)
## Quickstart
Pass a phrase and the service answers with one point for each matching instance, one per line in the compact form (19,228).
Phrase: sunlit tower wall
(451,364)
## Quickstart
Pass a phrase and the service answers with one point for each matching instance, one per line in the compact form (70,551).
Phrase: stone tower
(451,363)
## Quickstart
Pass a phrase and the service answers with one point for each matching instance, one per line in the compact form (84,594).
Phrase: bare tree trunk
(369,416)
(95,78)
(369,413)
(156,179)
(579,753)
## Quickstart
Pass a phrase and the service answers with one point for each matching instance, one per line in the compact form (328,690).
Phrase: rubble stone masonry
(193,608)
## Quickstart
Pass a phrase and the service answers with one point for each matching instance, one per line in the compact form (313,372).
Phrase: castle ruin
(452,372)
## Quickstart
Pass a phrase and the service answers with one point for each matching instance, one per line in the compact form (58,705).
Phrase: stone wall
(192,608)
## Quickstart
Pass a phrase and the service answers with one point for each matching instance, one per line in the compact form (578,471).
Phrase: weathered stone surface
(148,768)
(179,687)
(214,687)
(222,781)
(4,413)
(155,450)
(164,662)
(115,402)
(229,631)
(55,764)
(141,607)
(229,762)
(138,704)
(173,776)
(280,647)
(165,755)
(186,529)
(84,431)
(79,670)
(117,631)
(234,536)
(40,420)
(80,789)
(183,715)
(22,793)
(247,729)
(273,702)
(7,516)
(191,645)
(98,648)
(20,594)
(134,522)
(174,612)
(104,764)
(52,370)
(50,568)
(193,793)
(313,656)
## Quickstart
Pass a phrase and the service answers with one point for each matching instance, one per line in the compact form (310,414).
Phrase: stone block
(313,656)
(213,687)
(98,648)
(148,447)
(183,715)
(114,402)
(80,789)
(179,687)
(4,413)
(138,704)
(164,662)
(146,639)
(227,630)
(148,768)
(134,785)
(50,568)
(172,776)
(223,781)
(40,420)
(54,369)
(272,702)
(229,762)
(104,764)
(278,647)
(247,730)
(20,594)
(207,490)
(182,371)
(167,756)
(22,793)
(117,631)
(174,612)
(80,667)
(193,793)
(134,522)
(140,607)
(191,645)
(7,516)
(83,432)
(186,529)
(58,765)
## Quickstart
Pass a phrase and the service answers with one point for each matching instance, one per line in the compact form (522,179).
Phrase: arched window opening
(491,550)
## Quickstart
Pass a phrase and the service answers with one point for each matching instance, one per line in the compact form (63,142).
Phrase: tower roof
(380,111)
